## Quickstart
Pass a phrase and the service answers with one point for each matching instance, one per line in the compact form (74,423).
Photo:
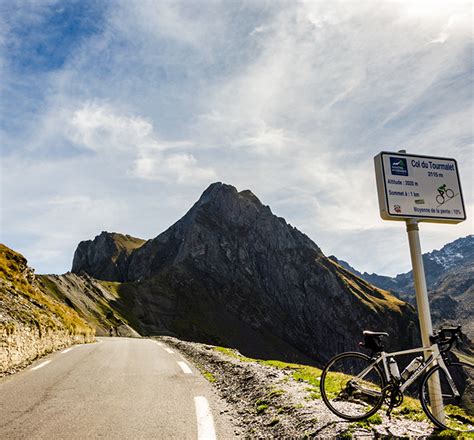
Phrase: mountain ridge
(450,282)
(231,272)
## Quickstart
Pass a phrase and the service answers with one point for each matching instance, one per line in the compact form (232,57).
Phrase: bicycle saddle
(371,333)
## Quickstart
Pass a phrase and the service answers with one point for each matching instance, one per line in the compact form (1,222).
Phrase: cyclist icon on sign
(444,194)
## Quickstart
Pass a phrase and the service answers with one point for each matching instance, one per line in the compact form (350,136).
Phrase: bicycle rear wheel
(351,386)
(458,412)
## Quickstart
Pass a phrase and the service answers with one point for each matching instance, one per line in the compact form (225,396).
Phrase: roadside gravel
(268,402)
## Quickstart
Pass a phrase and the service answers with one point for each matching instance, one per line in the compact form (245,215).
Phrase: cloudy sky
(116,115)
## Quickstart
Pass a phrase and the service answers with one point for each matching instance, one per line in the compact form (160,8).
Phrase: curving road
(117,388)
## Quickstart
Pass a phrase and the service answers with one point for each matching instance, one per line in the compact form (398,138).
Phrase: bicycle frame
(434,357)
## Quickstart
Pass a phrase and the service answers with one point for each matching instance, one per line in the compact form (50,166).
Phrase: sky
(117,115)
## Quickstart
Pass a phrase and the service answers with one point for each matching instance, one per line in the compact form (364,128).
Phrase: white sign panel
(421,187)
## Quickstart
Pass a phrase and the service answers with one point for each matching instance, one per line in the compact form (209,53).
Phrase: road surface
(117,388)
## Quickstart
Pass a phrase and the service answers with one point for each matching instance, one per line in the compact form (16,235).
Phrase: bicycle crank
(392,397)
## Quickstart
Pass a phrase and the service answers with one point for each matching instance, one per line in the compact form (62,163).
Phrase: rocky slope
(32,323)
(231,272)
(450,280)
(105,257)
(97,302)
(383,282)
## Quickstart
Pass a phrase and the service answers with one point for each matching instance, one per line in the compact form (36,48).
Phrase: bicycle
(354,386)
(440,198)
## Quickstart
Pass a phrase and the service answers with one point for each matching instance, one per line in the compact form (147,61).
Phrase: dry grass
(28,304)
(376,299)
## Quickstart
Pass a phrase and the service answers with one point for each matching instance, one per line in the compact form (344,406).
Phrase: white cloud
(98,127)
(291,100)
(132,139)
(180,167)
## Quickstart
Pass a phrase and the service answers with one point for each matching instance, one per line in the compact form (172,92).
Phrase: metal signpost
(415,189)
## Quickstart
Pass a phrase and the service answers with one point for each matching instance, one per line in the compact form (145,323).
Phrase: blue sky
(116,115)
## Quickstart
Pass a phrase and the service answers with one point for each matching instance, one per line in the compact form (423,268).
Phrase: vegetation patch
(375,419)
(448,435)
(234,354)
(112,287)
(31,305)
(209,376)
(347,434)
(375,299)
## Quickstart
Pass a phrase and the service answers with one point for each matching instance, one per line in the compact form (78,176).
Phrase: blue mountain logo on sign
(398,166)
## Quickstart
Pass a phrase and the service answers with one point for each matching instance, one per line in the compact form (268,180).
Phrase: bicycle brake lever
(458,340)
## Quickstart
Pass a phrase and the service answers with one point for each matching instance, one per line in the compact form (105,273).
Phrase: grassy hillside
(100,303)
(374,298)
(22,302)
(127,242)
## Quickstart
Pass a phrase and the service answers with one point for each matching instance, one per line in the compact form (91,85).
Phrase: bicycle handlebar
(447,336)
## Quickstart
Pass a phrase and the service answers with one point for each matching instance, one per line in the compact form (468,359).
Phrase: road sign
(424,188)
(416,188)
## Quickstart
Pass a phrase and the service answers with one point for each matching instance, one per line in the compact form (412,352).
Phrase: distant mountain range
(232,273)
(450,281)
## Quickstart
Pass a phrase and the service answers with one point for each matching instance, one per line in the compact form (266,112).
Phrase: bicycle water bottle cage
(373,340)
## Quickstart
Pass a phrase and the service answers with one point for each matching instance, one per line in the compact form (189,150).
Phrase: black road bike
(354,386)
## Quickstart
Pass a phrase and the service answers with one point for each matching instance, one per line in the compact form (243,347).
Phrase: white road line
(184,366)
(204,418)
(41,365)
(67,349)
(169,350)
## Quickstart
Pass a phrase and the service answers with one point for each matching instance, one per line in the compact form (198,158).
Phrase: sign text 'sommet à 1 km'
(421,187)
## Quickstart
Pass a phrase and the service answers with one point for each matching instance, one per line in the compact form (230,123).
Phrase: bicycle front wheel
(450,411)
(351,386)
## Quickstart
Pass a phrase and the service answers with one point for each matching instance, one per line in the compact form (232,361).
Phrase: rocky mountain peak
(106,256)
(224,201)
(224,225)
(218,191)
(458,252)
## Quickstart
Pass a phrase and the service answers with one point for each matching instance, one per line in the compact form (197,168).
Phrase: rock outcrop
(232,273)
(105,257)
(32,324)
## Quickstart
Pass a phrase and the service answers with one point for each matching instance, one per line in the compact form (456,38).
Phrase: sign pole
(421,290)
(424,315)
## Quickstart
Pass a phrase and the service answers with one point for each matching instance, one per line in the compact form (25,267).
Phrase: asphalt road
(118,388)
